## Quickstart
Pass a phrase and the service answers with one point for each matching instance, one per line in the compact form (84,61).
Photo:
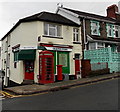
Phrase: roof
(106,39)
(44,16)
(80,13)
(50,17)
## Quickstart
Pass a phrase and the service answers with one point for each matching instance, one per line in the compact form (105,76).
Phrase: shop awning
(27,54)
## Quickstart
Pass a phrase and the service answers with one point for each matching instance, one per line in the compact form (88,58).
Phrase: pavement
(37,88)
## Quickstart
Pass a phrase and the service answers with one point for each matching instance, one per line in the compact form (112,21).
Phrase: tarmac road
(99,96)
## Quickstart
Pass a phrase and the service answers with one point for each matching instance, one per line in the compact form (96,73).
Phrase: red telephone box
(46,67)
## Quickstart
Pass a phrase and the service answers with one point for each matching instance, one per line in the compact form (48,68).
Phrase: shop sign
(58,49)
(27,47)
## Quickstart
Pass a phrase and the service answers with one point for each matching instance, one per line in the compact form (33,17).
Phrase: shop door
(63,59)
(29,70)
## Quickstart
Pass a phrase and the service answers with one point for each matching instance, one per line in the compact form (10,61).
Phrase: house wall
(103,32)
(26,35)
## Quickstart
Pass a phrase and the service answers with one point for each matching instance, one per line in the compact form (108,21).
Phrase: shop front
(61,56)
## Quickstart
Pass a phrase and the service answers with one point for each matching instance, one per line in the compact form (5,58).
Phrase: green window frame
(95,28)
(110,30)
(66,64)
(16,56)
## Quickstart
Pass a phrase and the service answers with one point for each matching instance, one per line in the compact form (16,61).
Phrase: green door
(63,59)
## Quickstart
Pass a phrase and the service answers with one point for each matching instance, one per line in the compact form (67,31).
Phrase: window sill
(76,43)
(117,37)
(52,37)
(110,37)
(96,35)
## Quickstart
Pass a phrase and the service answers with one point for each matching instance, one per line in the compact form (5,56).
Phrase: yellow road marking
(6,94)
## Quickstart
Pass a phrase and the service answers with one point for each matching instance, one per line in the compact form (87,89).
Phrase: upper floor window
(116,31)
(95,28)
(110,31)
(76,35)
(52,30)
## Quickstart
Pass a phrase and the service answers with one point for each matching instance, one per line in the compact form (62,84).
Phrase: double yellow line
(8,95)
(5,94)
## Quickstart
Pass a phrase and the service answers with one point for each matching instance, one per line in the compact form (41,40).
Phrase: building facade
(97,31)
(100,36)
(32,37)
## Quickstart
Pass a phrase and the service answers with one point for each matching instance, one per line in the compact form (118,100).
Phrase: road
(99,96)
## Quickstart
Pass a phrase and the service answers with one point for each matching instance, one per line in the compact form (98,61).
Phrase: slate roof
(90,15)
(106,39)
(47,17)
(50,17)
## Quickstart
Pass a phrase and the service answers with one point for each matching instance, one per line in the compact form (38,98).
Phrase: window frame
(97,27)
(55,29)
(112,29)
(76,35)
(97,46)
(116,28)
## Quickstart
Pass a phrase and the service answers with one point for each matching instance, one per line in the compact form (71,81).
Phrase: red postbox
(77,67)
(46,67)
(59,73)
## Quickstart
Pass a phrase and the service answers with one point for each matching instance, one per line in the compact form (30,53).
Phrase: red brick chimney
(111,11)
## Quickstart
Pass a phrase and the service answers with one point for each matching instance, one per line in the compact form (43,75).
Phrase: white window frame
(76,37)
(97,27)
(50,27)
(100,46)
(97,46)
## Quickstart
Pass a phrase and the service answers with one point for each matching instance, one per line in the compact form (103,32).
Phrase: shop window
(76,35)
(52,30)
(63,60)
(95,28)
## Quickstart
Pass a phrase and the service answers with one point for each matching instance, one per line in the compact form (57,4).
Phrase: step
(26,82)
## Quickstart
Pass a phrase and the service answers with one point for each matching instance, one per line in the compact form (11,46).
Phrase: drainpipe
(6,81)
(84,29)
(84,36)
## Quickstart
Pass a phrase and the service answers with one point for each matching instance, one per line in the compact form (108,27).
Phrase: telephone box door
(29,70)
(46,67)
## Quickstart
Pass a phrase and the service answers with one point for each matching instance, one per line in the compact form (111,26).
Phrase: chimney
(111,11)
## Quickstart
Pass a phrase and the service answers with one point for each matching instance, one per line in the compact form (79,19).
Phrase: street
(99,96)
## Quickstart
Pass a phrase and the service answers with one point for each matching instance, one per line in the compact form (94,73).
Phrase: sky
(13,10)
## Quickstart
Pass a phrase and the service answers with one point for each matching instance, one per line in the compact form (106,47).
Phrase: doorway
(29,70)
